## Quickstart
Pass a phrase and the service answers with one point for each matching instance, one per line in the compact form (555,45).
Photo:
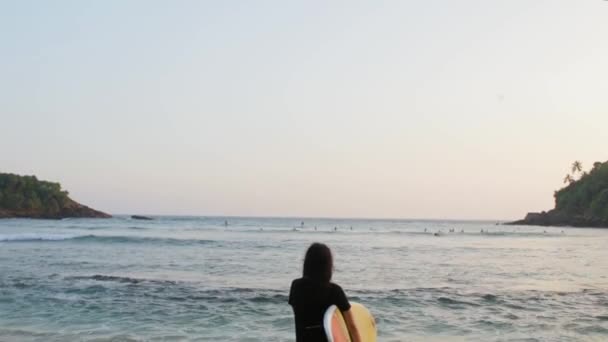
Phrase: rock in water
(140,217)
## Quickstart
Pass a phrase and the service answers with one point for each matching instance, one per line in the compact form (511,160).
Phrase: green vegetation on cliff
(26,196)
(586,197)
(581,203)
(29,193)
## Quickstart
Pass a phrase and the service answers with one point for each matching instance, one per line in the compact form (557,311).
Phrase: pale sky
(403,109)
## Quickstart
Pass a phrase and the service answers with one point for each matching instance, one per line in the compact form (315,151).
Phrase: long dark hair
(318,263)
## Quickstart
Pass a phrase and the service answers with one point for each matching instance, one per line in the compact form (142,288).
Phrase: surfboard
(337,331)
(335,326)
(365,322)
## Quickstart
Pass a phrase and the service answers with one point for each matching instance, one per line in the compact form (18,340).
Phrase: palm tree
(568,179)
(577,166)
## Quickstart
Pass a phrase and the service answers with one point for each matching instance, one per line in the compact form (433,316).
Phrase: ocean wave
(36,237)
(222,296)
(121,279)
(140,239)
(105,297)
(454,302)
(33,237)
(171,290)
(137,228)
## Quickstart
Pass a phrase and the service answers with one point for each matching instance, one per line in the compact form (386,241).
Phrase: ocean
(198,279)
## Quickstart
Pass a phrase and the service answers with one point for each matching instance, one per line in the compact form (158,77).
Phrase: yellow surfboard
(335,326)
(337,331)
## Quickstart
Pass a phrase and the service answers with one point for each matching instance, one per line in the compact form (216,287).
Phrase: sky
(434,109)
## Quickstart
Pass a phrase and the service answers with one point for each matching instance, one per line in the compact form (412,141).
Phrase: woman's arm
(352,327)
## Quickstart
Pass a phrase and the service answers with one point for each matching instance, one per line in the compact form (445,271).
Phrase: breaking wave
(34,237)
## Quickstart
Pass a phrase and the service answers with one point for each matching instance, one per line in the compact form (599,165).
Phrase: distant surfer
(225,223)
(312,294)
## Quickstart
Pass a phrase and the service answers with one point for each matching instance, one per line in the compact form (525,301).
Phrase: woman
(311,295)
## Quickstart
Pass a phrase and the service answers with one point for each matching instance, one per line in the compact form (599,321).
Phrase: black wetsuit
(309,301)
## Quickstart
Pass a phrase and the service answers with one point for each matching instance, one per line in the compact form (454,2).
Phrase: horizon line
(316,217)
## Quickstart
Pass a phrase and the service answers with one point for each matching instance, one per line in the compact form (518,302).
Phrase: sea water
(227,279)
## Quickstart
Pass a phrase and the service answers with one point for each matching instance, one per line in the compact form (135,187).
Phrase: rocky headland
(583,202)
(28,197)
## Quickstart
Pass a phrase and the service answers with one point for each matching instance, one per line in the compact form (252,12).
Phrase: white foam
(36,237)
